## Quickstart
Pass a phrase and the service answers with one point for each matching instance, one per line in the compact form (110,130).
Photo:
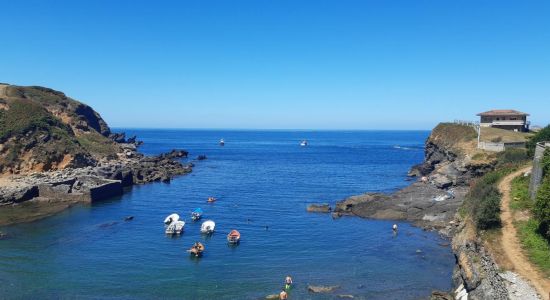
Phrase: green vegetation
(451,133)
(536,246)
(25,116)
(520,194)
(512,156)
(483,200)
(541,210)
(543,135)
(96,143)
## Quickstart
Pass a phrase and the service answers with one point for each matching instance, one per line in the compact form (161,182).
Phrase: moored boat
(175,228)
(208,227)
(196,214)
(234,237)
(171,218)
(197,249)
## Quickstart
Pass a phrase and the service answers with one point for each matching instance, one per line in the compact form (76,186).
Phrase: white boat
(175,227)
(303,143)
(208,226)
(222,142)
(171,218)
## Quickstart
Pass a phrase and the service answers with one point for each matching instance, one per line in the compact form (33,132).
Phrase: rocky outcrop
(442,184)
(322,288)
(319,208)
(476,274)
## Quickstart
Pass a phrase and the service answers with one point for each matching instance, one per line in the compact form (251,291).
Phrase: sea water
(263,181)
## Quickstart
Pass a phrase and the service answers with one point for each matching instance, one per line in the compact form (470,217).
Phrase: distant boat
(211,200)
(303,143)
(222,142)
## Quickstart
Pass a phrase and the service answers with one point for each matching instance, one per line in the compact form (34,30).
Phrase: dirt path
(510,243)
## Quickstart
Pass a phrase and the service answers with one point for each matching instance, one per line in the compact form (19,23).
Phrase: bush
(483,200)
(541,210)
(543,135)
(487,214)
(512,156)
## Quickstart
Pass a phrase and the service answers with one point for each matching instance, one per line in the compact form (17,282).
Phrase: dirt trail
(510,243)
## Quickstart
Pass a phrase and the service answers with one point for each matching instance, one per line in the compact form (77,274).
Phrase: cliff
(56,151)
(42,129)
(451,164)
(451,161)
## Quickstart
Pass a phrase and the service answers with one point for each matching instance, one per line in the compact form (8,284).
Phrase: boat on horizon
(222,142)
(303,143)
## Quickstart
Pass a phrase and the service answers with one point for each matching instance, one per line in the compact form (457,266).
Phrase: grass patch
(535,245)
(520,194)
(97,144)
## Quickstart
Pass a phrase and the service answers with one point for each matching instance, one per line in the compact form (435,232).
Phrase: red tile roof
(502,112)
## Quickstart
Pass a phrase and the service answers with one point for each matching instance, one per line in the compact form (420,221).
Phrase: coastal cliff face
(55,151)
(451,161)
(42,129)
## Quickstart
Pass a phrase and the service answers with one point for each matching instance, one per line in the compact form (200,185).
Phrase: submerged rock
(322,288)
(320,208)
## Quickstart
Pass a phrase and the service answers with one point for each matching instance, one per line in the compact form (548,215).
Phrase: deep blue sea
(261,178)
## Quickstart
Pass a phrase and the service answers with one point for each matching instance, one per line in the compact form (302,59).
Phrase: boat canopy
(198,211)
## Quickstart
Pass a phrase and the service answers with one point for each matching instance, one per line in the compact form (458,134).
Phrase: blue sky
(283,64)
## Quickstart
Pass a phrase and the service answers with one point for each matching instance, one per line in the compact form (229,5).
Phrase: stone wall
(536,174)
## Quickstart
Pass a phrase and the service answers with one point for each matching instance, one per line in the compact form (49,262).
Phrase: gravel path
(510,243)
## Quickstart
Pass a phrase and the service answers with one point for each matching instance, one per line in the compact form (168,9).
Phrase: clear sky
(283,64)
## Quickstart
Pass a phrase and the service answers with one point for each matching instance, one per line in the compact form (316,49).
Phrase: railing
(508,122)
(466,123)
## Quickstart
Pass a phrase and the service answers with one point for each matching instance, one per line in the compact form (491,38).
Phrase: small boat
(175,228)
(197,249)
(171,218)
(208,226)
(234,237)
(303,143)
(196,214)
(222,142)
(211,200)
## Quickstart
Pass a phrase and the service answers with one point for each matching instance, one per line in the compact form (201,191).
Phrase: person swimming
(288,282)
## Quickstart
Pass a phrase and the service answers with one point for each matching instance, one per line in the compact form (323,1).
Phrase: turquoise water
(261,178)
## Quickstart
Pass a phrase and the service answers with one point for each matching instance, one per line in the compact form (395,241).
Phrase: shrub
(483,200)
(541,210)
(543,135)
(512,156)
(536,246)
(487,214)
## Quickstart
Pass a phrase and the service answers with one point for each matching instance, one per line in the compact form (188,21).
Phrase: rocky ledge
(61,188)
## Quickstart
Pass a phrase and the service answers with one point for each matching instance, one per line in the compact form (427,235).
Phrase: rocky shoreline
(432,203)
(25,198)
